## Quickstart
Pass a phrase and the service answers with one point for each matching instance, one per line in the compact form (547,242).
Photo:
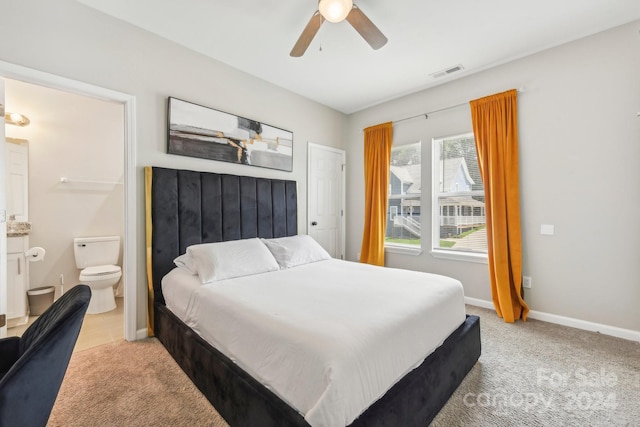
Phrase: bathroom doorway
(75,170)
(84,184)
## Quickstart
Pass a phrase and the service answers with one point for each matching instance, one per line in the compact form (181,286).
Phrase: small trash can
(40,299)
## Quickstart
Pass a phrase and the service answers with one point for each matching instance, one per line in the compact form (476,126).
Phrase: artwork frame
(194,130)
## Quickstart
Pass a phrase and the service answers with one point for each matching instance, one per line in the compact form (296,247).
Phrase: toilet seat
(100,272)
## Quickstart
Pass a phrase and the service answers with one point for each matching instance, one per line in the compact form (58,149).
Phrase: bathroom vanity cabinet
(17,280)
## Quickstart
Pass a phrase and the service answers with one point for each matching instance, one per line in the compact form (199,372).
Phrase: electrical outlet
(526,282)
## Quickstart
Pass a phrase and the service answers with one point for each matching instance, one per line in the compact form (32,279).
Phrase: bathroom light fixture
(16,119)
(335,10)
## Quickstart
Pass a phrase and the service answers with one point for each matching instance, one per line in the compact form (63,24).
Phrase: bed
(186,208)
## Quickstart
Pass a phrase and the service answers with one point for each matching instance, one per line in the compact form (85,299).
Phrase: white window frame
(436,251)
(401,248)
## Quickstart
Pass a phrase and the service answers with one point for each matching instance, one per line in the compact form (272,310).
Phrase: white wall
(80,138)
(68,39)
(579,154)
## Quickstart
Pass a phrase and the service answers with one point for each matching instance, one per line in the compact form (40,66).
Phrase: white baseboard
(142,334)
(613,331)
(478,302)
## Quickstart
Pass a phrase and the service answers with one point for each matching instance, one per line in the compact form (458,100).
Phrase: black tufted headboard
(187,207)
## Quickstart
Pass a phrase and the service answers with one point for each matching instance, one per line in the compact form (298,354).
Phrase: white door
(325,195)
(3,222)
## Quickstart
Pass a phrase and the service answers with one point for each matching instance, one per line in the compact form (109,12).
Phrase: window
(403,219)
(459,223)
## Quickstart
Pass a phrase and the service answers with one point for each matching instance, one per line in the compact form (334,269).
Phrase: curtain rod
(426,115)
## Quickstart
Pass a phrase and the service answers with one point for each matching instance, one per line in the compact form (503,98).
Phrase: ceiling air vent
(448,71)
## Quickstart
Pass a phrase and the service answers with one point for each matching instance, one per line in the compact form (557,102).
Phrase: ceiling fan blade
(366,28)
(307,35)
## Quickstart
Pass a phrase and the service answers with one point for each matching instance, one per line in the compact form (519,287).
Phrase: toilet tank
(92,251)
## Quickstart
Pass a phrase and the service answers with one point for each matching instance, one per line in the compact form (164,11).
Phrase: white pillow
(235,258)
(296,250)
(186,263)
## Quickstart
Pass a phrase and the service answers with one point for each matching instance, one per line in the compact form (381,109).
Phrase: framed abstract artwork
(198,131)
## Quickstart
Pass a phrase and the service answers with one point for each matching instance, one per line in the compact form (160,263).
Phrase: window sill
(460,256)
(404,250)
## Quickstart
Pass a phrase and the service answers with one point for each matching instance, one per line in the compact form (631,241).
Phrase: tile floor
(96,329)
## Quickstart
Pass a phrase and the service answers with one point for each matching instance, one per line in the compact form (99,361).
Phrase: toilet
(97,258)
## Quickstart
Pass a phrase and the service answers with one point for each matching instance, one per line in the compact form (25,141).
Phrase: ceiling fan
(337,11)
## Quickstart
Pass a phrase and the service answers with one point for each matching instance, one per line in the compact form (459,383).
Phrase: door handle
(314,223)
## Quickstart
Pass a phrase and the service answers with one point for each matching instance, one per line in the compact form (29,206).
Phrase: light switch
(547,229)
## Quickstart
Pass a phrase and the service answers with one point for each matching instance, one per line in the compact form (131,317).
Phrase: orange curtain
(377,159)
(495,126)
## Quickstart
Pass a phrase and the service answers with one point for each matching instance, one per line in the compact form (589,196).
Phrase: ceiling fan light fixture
(335,10)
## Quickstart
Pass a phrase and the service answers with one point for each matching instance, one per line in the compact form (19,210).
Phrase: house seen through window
(459,222)
(403,213)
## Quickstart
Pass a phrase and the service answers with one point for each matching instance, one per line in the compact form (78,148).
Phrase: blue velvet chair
(32,366)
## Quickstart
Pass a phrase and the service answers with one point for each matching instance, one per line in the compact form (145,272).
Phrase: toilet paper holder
(35,254)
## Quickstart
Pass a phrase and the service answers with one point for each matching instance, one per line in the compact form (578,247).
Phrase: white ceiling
(425,37)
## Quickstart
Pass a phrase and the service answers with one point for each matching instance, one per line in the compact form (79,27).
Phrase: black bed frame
(187,207)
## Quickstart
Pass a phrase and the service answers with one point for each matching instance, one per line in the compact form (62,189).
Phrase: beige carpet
(541,374)
(529,374)
(129,384)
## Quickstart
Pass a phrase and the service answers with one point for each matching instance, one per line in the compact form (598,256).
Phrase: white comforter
(329,338)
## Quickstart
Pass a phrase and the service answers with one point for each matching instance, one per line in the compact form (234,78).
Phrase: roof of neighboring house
(401,173)
(409,174)
(451,167)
